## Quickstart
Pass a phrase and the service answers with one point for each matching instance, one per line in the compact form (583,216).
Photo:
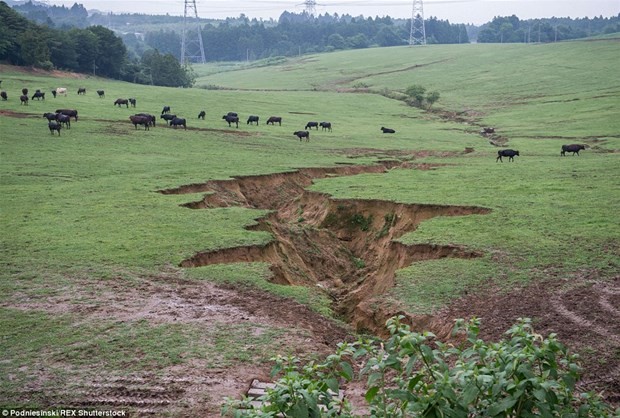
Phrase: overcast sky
(456,11)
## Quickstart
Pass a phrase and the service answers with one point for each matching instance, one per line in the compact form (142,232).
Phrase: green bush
(413,375)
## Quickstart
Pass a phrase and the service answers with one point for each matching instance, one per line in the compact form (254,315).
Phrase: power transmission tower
(192,50)
(417,34)
(310,7)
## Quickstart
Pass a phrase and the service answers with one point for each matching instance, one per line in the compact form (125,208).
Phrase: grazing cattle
(311,125)
(25,91)
(66,119)
(151,118)
(302,134)
(50,116)
(101,94)
(506,153)
(38,95)
(54,126)
(273,119)
(68,112)
(4,96)
(81,90)
(574,148)
(168,117)
(252,119)
(60,90)
(140,120)
(202,115)
(23,99)
(120,102)
(166,109)
(178,122)
(326,126)
(231,119)
(132,102)
(388,130)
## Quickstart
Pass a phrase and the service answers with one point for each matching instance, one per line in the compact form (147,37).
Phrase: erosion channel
(347,247)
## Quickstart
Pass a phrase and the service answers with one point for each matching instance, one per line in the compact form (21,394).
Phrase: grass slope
(83,208)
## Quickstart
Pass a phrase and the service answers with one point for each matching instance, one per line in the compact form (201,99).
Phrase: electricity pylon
(417,34)
(192,50)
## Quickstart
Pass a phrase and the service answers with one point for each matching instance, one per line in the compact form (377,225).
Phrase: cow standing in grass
(273,119)
(302,134)
(511,154)
(54,126)
(574,148)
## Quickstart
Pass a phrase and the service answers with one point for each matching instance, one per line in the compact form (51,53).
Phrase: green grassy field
(83,208)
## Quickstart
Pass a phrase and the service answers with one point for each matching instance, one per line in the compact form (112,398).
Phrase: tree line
(92,50)
(511,29)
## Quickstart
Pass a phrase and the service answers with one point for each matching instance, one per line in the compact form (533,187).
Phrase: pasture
(158,271)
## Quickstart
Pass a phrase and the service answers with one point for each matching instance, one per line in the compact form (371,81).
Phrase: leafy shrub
(412,375)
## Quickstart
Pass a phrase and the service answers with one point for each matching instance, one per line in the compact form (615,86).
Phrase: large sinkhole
(347,247)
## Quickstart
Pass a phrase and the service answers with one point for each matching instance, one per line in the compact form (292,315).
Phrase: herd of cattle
(62,117)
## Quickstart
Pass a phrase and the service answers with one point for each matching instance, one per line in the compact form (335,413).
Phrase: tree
(431,98)
(112,53)
(416,94)
(34,48)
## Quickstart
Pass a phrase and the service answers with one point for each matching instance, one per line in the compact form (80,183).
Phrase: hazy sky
(456,11)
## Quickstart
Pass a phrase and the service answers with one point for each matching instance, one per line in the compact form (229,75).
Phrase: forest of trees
(511,29)
(36,34)
(94,50)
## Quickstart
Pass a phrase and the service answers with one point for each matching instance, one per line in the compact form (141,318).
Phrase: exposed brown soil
(192,388)
(346,247)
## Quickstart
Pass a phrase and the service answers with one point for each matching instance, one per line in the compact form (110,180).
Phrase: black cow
(50,116)
(23,99)
(388,130)
(574,148)
(54,126)
(311,125)
(274,119)
(4,96)
(68,112)
(120,102)
(178,122)
(252,119)
(506,153)
(166,109)
(231,119)
(202,115)
(25,91)
(101,94)
(62,118)
(81,90)
(132,102)
(326,126)
(150,117)
(54,93)
(140,120)
(302,134)
(38,95)
(167,117)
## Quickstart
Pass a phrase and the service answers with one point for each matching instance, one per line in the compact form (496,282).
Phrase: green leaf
(371,393)
(347,370)
(332,384)
(501,406)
